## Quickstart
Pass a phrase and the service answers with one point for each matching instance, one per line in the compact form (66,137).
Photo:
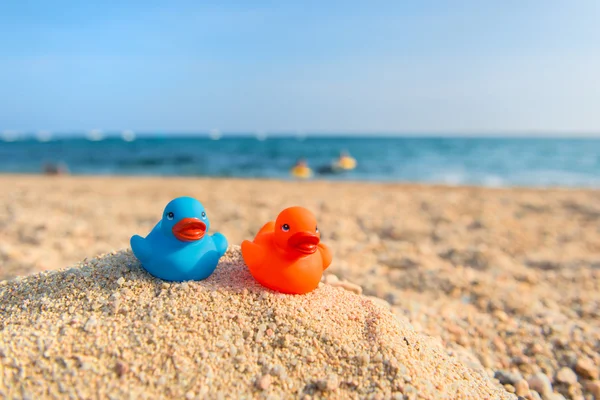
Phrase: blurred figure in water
(301,169)
(345,162)
(55,169)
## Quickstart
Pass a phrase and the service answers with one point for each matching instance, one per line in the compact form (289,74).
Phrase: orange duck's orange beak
(304,242)
(189,229)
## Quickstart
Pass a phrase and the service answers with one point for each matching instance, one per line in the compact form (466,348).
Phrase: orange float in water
(287,254)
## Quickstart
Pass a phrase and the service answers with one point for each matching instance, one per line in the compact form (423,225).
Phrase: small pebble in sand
(90,324)
(509,388)
(566,375)
(594,388)
(586,368)
(507,377)
(329,384)
(540,383)
(521,387)
(264,382)
(121,368)
(334,281)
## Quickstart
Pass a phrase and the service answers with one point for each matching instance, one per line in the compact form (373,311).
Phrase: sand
(108,329)
(507,280)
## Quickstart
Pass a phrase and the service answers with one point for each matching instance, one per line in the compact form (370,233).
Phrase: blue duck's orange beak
(189,229)
(304,242)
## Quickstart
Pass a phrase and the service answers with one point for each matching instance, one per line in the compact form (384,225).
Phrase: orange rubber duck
(287,254)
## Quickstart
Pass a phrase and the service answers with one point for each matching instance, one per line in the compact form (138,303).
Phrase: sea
(492,162)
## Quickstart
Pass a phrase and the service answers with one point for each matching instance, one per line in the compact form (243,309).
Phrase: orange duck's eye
(285,227)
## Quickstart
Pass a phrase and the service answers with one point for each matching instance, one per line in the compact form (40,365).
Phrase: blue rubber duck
(178,248)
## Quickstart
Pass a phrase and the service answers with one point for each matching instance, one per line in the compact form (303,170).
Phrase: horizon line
(216,133)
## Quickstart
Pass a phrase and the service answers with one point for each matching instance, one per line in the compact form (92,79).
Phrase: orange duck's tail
(268,227)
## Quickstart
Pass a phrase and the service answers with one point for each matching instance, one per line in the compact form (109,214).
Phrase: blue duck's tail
(220,243)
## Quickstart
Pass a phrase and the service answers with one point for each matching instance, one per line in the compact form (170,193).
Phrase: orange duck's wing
(252,254)
(268,227)
(325,255)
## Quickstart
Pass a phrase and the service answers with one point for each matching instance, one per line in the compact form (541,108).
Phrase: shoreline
(395,184)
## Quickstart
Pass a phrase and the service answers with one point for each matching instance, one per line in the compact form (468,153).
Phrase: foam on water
(493,181)
(128,135)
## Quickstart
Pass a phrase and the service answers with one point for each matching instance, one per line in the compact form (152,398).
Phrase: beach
(505,280)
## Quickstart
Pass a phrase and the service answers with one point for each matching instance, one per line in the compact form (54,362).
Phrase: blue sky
(332,66)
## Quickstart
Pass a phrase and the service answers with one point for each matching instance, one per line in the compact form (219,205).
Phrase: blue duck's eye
(170,215)
(285,227)
(203,215)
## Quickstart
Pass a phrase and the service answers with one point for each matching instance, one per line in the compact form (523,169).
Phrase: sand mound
(106,329)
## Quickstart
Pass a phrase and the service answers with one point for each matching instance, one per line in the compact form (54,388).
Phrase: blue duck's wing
(205,266)
(141,248)
(220,243)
